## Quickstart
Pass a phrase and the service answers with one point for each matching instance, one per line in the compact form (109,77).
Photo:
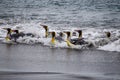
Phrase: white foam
(113,46)
(95,36)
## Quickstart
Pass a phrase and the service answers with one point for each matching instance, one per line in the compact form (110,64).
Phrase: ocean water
(62,13)
(94,17)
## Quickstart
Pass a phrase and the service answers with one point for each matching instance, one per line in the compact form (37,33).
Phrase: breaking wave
(95,36)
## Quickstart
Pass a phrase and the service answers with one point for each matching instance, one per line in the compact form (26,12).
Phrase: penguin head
(108,34)
(68,34)
(79,32)
(53,34)
(61,34)
(8,29)
(45,27)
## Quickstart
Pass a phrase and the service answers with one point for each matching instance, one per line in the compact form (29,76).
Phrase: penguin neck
(68,37)
(17,32)
(9,33)
(53,40)
(8,37)
(46,33)
(69,44)
(80,35)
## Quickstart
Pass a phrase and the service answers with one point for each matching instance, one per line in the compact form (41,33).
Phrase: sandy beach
(28,62)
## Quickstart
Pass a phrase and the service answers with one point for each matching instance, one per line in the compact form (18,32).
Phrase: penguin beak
(65,32)
(77,30)
(41,25)
(44,26)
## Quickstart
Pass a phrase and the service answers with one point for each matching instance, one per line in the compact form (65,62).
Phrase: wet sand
(36,62)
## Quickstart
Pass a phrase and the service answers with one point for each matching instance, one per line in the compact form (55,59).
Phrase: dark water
(62,13)
(28,62)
